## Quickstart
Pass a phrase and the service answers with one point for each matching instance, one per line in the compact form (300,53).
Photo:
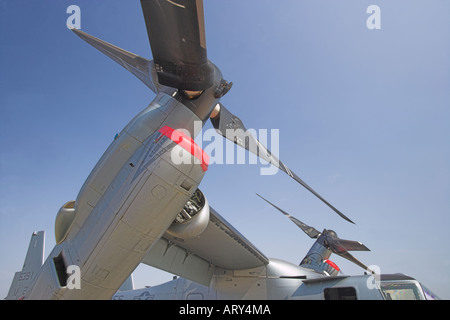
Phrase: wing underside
(219,246)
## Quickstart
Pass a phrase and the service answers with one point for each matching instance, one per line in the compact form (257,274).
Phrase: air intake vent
(61,269)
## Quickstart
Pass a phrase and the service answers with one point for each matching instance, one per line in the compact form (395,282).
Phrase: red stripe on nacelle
(332,264)
(187,143)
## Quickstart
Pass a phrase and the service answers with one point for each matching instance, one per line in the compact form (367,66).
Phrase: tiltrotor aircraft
(138,205)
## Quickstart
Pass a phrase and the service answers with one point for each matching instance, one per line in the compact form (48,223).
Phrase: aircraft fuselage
(281,280)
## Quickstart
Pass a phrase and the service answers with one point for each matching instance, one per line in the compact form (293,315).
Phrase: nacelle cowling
(64,220)
(193,219)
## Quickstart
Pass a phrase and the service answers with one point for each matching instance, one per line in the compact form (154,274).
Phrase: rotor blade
(341,248)
(176,30)
(232,128)
(339,245)
(351,258)
(310,231)
(137,65)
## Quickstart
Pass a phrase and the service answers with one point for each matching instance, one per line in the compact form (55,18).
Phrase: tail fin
(128,284)
(24,279)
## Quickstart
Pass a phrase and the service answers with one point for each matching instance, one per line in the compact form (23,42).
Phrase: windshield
(429,295)
(401,290)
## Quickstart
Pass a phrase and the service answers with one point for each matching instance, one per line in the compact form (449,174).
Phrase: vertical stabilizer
(24,279)
(128,284)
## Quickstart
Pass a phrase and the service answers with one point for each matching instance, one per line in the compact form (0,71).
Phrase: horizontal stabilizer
(140,67)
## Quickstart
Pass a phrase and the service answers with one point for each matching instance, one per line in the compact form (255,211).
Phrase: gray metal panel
(224,246)
(169,257)
(220,245)
(238,252)
(314,288)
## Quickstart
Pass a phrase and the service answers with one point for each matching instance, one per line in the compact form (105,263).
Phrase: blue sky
(363,116)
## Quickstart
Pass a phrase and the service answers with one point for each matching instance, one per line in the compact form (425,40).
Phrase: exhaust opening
(61,269)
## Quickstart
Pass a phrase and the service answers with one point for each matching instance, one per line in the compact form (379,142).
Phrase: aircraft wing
(219,246)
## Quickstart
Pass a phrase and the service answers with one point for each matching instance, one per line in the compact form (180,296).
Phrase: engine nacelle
(64,220)
(192,219)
